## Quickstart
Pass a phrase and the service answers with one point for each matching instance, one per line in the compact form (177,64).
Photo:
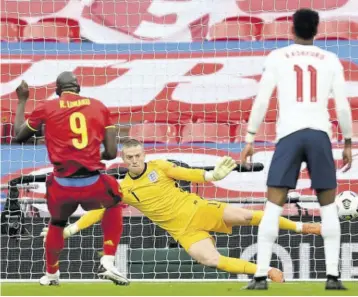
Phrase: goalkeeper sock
(53,247)
(331,233)
(237,266)
(267,235)
(112,226)
(284,224)
(90,218)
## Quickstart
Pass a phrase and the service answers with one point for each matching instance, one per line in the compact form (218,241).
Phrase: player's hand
(247,153)
(347,158)
(66,232)
(223,167)
(44,233)
(23,92)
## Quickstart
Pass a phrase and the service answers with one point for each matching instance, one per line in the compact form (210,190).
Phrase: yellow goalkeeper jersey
(155,194)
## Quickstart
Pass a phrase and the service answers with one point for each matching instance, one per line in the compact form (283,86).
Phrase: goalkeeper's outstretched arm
(223,168)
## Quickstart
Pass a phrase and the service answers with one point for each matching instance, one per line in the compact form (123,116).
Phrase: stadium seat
(279,29)
(266,133)
(154,133)
(205,132)
(238,28)
(337,29)
(52,29)
(11,29)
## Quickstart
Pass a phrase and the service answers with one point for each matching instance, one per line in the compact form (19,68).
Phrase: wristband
(250,137)
(209,176)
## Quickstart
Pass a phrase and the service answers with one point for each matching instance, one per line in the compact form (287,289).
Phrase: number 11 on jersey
(299,83)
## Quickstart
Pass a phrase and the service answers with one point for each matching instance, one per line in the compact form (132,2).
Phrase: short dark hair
(305,23)
(130,142)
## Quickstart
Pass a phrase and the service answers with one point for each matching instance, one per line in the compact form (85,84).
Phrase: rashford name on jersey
(305,77)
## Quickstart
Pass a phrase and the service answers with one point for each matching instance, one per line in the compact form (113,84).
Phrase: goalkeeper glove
(67,232)
(223,167)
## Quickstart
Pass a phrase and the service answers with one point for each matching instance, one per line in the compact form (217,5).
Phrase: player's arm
(343,108)
(110,144)
(344,113)
(110,141)
(224,166)
(23,130)
(266,87)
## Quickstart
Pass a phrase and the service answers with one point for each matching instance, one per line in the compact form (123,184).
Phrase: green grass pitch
(173,289)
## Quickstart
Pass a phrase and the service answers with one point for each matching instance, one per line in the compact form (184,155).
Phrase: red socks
(112,227)
(53,247)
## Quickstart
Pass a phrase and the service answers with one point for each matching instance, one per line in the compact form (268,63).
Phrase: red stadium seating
(341,29)
(259,6)
(52,29)
(154,133)
(240,28)
(279,29)
(266,133)
(205,132)
(11,29)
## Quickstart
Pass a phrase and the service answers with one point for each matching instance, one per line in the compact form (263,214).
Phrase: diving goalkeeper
(150,187)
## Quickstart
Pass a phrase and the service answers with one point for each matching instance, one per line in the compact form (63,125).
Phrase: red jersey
(74,130)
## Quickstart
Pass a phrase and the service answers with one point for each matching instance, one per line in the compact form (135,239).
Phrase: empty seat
(266,133)
(240,28)
(52,29)
(286,6)
(280,29)
(11,29)
(154,133)
(205,132)
(337,29)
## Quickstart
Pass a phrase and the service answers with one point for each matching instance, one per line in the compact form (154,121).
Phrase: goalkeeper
(150,187)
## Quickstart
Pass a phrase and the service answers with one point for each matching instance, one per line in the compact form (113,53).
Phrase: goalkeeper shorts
(207,218)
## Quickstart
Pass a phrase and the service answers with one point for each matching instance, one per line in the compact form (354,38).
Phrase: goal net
(180,76)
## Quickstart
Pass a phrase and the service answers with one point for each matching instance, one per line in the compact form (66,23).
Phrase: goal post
(180,76)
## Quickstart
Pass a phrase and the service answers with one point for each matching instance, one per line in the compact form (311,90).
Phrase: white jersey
(306,77)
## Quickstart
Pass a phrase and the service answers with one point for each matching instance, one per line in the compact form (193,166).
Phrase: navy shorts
(311,146)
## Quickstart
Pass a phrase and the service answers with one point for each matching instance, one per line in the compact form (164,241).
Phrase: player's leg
(283,175)
(322,171)
(235,216)
(105,194)
(61,208)
(206,254)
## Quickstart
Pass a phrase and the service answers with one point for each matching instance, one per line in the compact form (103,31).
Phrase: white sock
(299,227)
(331,233)
(267,235)
(55,275)
(107,261)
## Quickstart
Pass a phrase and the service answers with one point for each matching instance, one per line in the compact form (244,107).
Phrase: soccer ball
(347,203)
